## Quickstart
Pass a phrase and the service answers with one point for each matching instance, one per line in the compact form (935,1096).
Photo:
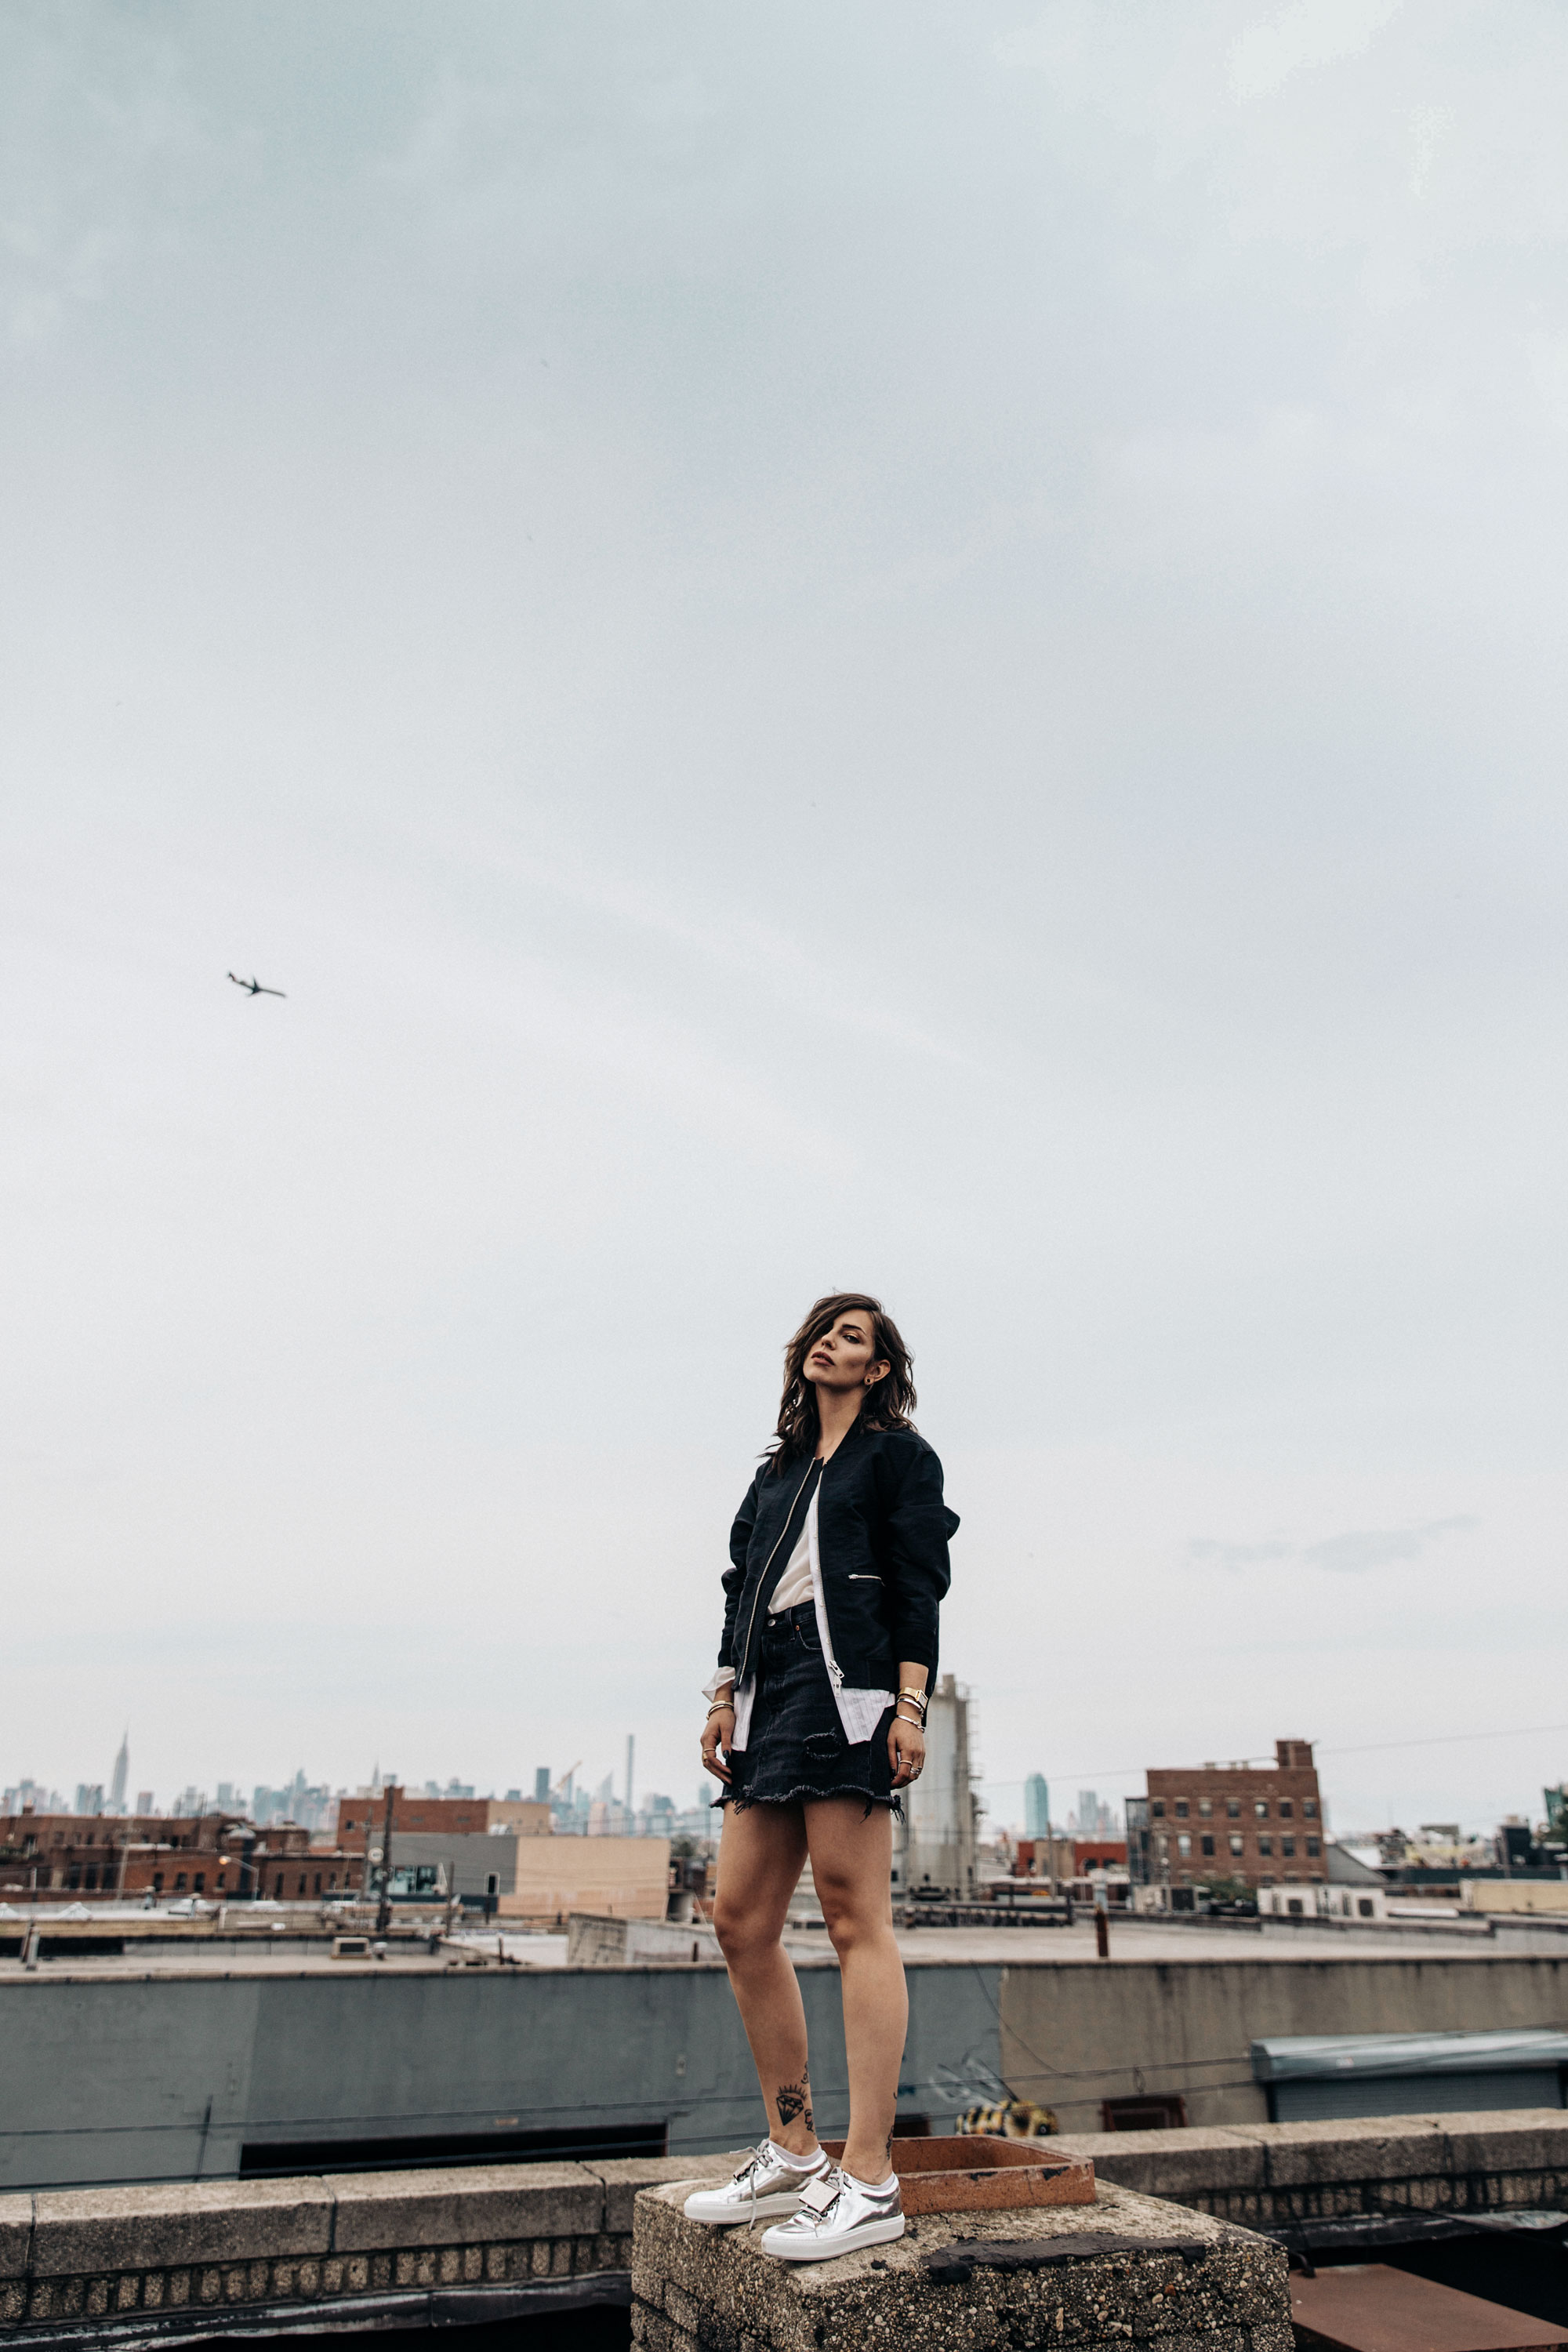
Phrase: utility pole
(384,1908)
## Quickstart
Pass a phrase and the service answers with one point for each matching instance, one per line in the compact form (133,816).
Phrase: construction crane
(559,1786)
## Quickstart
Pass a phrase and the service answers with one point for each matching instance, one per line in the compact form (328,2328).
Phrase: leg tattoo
(792,2099)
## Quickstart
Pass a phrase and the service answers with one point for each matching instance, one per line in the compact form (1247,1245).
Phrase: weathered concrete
(493,2240)
(82,2267)
(1180,2282)
(1267,2174)
(1072,2036)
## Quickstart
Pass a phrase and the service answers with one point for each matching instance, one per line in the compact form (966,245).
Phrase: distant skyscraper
(90,1797)
(122,1774)
(541,1784)
(1095,1817)
(1037,1806)
(144,1801)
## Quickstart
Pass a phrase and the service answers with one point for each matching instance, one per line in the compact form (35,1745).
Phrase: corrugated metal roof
(1312,2057)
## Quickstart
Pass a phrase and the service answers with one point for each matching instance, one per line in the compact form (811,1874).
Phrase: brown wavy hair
(887,1406)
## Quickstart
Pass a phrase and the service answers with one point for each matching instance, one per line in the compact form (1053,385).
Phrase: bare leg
(851,1861)
(760,1850)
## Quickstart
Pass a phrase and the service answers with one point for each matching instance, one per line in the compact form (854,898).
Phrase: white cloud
(1304,33)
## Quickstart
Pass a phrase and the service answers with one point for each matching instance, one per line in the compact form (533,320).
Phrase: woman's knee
(849,1918)
(741,1934)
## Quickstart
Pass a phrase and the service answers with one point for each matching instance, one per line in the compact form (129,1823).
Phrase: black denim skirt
(795,1749)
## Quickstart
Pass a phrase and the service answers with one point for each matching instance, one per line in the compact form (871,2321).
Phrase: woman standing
(838,1566)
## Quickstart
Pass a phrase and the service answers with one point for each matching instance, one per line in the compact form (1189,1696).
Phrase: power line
(1362,1747)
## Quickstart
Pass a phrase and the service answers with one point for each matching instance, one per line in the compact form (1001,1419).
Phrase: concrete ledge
(465,2203)
(1264,2173)
(209,2220)
(1177,2281)
(179,2261)
(15,2235)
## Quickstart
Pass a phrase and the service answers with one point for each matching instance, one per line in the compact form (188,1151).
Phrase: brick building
(221,1857)
(1261,1825)
(429,1816)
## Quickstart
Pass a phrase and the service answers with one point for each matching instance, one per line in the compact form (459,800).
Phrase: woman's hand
(906,1750)
(717,1734)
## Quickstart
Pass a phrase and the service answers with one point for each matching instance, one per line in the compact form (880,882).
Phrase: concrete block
(1519,2139)
(152,2226)
(623,2176)
(15,2235)
(1194,2284)
(1371,2148)
(1170,2163)
(465,2206)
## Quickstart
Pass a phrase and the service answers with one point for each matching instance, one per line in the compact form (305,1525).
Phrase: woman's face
(845,1357)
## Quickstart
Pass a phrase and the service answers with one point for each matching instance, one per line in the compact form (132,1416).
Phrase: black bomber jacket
(883,1531)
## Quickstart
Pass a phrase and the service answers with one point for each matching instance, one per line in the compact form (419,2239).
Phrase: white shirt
(794,1585)
(859,1711)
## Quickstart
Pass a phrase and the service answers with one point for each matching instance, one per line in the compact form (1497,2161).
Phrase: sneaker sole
(777,2208)
(869,2233)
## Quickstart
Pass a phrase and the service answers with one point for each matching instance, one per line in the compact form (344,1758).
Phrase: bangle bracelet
(720,1705)
(912,1720)
(918,1698)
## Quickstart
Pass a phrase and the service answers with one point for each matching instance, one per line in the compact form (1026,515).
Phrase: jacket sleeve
(919,1524)
(735,1574)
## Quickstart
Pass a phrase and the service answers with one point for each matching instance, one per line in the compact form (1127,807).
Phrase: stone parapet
(1129,2266)
(1271,2174)
(177,2261)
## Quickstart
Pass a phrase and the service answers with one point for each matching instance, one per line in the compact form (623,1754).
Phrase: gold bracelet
(920,1698)
(718,1707)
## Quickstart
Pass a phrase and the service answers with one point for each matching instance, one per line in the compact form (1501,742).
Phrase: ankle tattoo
(793,2099)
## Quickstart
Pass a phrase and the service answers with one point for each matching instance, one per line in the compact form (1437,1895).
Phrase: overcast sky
(910,645)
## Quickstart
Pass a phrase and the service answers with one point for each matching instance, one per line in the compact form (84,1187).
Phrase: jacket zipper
(752,1620)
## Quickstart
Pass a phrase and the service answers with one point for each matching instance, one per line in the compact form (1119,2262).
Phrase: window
(73,1874)
(1265,1844)
(91,1875)
(1181,1808)
(301,1882)
(1233,1808)
(1287,1845)
(1294,1905)
(157,1882)
(318,1881)
(179,1881)
(1314,1847)
(277,1890)
(1183,1846)
(1205,1809)
(1365,1905)
(331,1880)
(1207,1844)
(201,1881)
(1311,1809)
(1286,1809)
(1236,1844)
(1157,1807)
(1261,1808)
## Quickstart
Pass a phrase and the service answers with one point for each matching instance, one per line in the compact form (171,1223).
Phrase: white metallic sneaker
(835,2215)
(765,2185)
